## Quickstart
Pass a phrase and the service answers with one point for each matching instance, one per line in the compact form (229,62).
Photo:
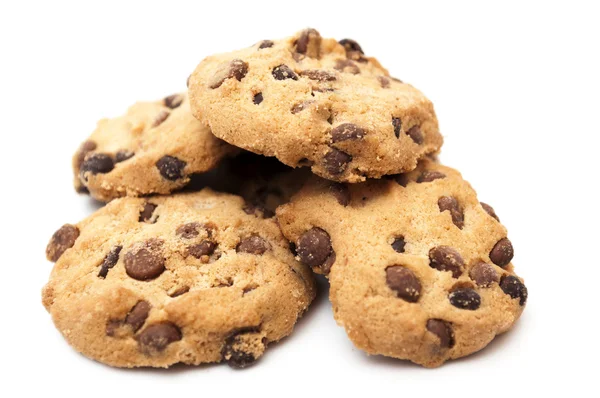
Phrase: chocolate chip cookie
(419,269)
(315,102)
(187,278)
(153,149)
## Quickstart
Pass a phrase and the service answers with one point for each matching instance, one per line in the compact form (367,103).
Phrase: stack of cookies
(290,157)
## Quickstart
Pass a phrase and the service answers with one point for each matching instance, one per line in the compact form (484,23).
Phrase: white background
(516,88)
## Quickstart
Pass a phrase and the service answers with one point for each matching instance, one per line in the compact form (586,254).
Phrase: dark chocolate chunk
(445,258)
(404,282)
(502,253)
(61,240)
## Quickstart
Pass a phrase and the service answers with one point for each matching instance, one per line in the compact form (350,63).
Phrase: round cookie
(153,149)
(419,269)
(315,102)
(187,278)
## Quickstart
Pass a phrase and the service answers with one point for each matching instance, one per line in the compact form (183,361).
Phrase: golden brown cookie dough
(188,278)
(153,149)
(315,102)
(419,269)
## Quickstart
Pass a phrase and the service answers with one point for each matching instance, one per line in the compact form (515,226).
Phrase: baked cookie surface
(311,101)
(189,278)
(419,269)
(153,149)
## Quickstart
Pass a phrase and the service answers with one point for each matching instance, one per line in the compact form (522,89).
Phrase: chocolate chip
(404,282)
(502,253)
(265,44)
(415,134)
(347,66)
(97,163)
(145,261)
(147,212)
(160,118)
(182,290)
(335,161)
(84,149)
(397,123)
(512,286)
(314,247)
(61,240)
(173,101)
(484,275)
(347,131)
(465,299)
(444,258)
(232,352)
(401,179)
(204,248)
(340,192)
(384,81)
(490,210)
(253,244)
(189,230)
(157,337)
(443,330)
(283,72)
(240,359)
(112,326)
(398,244)
(449,203)
(170,167)
(429,176)
(110,261)
(257,99)
(235,69)
(248,289)
(309,43)
(123,155)
(319,75)
(301,106)
(138,315)
(351,45)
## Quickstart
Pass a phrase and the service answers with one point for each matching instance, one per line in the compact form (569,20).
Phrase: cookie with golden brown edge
(186,278)
(153,149)
(419,269)
(315,102)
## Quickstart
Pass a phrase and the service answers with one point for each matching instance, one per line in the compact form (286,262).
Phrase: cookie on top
(311,101)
